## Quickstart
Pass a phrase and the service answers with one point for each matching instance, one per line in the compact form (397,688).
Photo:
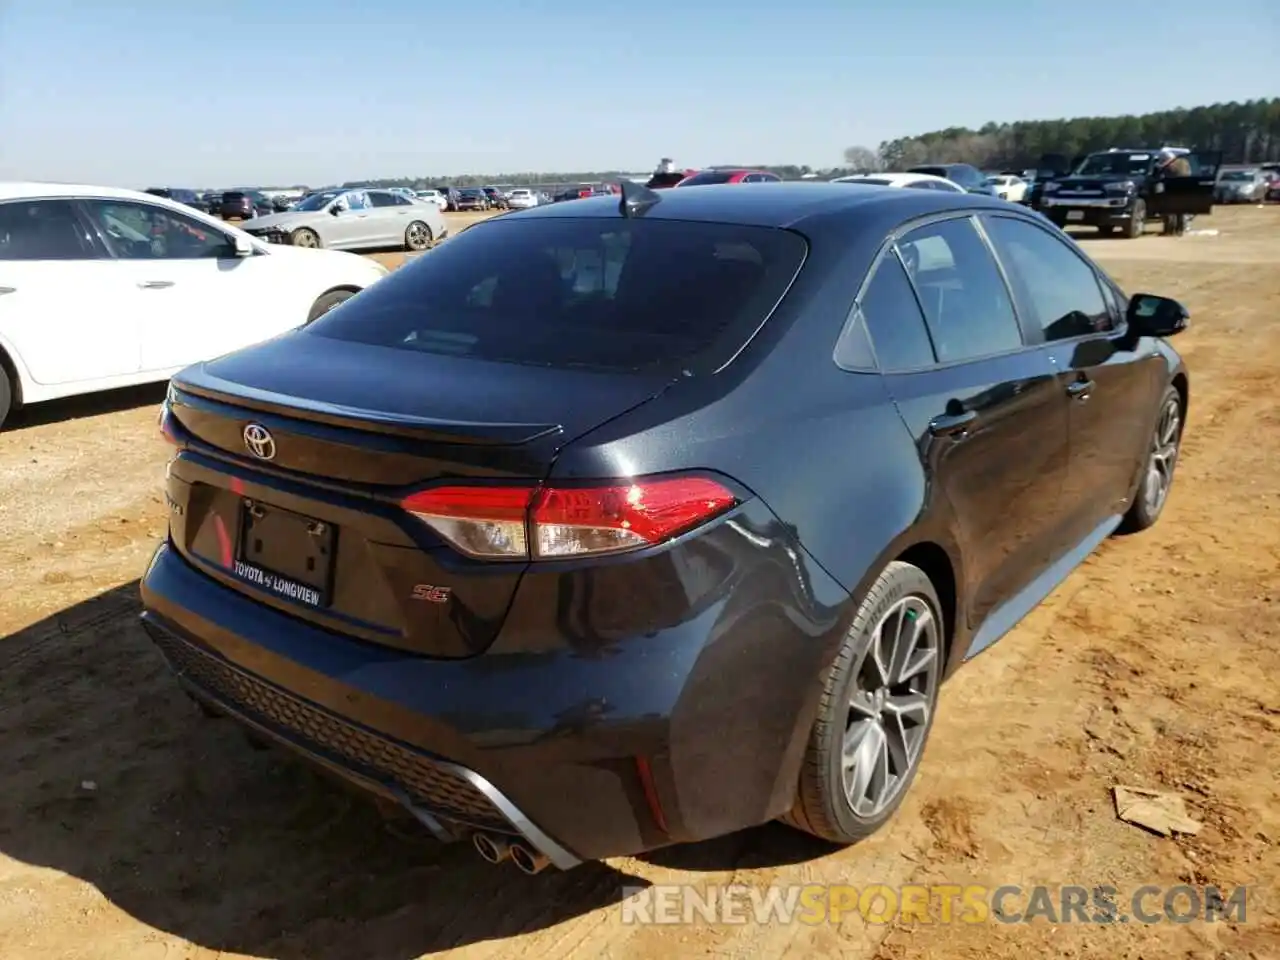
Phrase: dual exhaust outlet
(495,848)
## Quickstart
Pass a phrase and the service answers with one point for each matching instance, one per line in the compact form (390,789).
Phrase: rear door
(1113,381)
(987,410)
(390,214)
(67,309)
(1190,194)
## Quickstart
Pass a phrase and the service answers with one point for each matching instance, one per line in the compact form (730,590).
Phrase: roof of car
(785,204)
(20,189)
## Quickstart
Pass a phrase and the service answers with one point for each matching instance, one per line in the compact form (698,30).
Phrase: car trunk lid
(311,523)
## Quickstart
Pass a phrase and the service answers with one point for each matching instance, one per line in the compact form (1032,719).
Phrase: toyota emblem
(259,441)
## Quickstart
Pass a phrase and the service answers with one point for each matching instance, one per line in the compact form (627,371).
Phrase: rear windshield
(597,293)
(233,195)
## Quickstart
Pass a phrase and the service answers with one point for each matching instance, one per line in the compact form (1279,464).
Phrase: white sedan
(1008,187)
(918,181)
(522,198)
(434,196)
(103,288)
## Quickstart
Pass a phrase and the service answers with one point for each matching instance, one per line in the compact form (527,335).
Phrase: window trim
(102,250)
(1121,328)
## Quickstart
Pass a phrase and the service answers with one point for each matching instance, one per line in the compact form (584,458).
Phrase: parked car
(473,198)
(188,198)
(968,176)
(917,181)
(103,288)
(497,199)
(1273,186)
(451,196)
(728,175)
(212,203)
(522,198)
(579,192)
(1241,186)
(434,196)
(1121,189)
(355,220)
(615,578)
(245,205)
(1008,187)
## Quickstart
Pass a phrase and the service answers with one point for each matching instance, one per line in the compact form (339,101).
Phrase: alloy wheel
(1164,457)
(417,236)
(892,696)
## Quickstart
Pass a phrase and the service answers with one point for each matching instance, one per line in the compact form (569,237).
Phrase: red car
(729,175)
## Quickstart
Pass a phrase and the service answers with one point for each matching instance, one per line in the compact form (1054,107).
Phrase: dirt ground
(133,829)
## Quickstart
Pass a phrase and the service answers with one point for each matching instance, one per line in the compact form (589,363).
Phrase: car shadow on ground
(85,405)
(114,777)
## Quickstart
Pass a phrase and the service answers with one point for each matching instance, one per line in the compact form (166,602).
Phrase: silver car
(354,220)
(1241,186)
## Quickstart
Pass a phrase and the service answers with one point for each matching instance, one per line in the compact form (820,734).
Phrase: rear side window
(965,300)
(599,293)
(893,319)
(43,230)
(1056,290)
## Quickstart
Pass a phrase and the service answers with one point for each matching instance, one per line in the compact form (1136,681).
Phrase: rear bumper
(687,733)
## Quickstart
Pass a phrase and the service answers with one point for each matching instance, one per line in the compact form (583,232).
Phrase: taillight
(556,522)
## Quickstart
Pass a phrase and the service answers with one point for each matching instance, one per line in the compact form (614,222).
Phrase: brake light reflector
(557,522)
(480,521)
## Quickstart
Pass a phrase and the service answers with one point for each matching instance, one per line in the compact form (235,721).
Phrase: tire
(326,302)
(1159,465)
(6,397)
(1137,224)
(305,237)
(417,236)
(902,595)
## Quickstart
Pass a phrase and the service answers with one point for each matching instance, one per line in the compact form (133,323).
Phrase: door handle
(952,424)
(4,290)
(155,284)
(1080,389)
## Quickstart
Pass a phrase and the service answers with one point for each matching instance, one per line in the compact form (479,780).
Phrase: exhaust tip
(527,860)
(491,849)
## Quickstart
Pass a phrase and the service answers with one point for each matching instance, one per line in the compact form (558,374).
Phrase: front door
(991,415)
(67,310)
(195,299)
(352,227)
(1187,194)
(1110,380)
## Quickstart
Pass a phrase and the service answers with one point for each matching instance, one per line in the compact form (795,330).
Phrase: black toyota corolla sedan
(643,519)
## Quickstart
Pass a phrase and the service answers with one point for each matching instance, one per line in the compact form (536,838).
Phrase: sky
(186,93)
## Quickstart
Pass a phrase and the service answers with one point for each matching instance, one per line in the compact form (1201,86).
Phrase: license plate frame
(286,554)
(1075,215)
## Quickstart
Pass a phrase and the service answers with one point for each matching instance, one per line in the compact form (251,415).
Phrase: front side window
(1056,290)
(43,230)
(598,294)
(139,231)
(964,298)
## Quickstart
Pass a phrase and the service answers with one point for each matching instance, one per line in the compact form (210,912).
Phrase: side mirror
(336,209)
(1154,316)
(243,248)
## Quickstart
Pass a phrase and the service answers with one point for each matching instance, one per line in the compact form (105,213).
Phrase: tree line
(1247,132)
